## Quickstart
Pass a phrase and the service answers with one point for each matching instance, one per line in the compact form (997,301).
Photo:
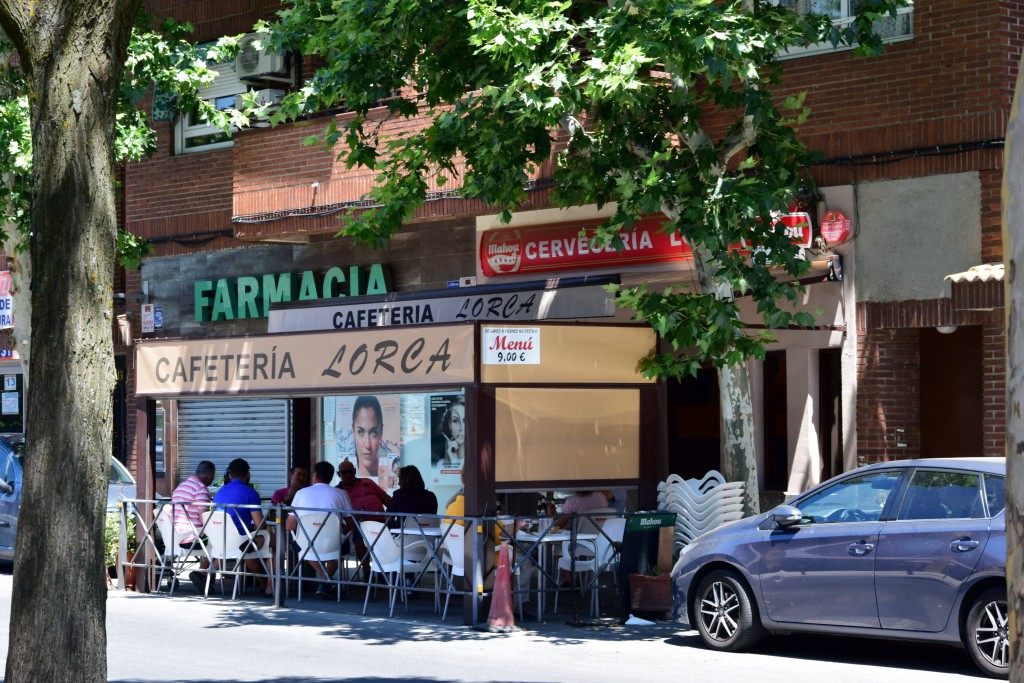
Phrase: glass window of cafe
(381,432)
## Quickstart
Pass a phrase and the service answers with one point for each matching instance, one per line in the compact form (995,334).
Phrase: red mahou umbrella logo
(502,252)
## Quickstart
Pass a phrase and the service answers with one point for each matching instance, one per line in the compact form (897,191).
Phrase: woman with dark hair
(412,495)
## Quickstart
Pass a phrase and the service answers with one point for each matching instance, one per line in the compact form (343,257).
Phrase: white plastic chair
(318,536)
(388,559)
(599,516)
(454,561)
(176,553)
(589,523)
(223,543)
(415,544)
(609,535)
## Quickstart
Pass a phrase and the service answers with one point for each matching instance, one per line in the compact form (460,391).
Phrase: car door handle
(861,548)
(963,545)
(5,525)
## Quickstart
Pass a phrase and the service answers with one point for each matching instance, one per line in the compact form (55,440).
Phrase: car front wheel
(726,613)
(988,637)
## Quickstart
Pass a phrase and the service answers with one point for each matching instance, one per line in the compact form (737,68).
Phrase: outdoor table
(540,544)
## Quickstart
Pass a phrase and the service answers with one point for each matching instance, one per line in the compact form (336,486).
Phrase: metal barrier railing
(169,542)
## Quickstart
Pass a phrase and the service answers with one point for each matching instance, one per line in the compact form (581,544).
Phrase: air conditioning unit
(266,96)
(256,63)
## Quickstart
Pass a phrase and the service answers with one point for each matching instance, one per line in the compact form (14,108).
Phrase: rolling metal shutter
(224,429)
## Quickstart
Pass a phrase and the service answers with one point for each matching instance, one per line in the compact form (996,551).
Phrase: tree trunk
(739,459)
(739,462)
(74,54)
(1013,245)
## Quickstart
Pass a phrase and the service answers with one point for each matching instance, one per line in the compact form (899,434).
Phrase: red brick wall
(994,384)
(888,375)
(888,401)
(181,197)
(274,171)
(951,84)
(215,19)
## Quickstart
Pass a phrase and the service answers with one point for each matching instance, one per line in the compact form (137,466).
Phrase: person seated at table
(364,493)
(190,500)
(411,497)
(319,497)
(457,508)
(366,496)
(616,499)
(248,521)
(298,478)
(580,503)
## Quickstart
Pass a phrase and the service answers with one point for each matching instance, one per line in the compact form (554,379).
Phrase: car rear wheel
(726,613)
(987,637)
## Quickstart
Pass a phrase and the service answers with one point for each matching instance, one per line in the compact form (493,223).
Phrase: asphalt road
(156,638)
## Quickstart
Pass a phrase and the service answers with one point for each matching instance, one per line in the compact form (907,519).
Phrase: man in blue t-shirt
(238,492)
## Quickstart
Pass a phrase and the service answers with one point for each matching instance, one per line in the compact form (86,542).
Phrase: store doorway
(694,440)
(951,393)
(776,435)
(119,440)
(830,424)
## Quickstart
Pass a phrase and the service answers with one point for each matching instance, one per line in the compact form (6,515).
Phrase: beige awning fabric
(986,272)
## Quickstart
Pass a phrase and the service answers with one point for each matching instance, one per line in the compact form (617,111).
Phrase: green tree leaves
(162,58)
(656,106)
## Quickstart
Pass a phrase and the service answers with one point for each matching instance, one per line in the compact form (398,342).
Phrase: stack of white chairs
(700,504)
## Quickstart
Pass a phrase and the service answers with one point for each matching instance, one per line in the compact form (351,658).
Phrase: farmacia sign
(250,296)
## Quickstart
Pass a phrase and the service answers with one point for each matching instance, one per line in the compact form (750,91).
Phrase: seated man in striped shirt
(188,519)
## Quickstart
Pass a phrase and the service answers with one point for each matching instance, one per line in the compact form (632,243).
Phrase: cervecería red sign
(510,251)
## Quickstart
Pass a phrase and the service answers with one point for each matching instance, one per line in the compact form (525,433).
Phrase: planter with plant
(111,535)
(650,593)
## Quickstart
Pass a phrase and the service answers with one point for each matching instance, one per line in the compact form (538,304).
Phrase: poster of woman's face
(448,433)
(368,434)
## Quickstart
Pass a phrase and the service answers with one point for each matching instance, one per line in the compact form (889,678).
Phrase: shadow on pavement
(297,679)
(377,630)
(891,654)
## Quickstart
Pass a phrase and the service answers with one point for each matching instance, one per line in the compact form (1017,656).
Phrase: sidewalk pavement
(153,637)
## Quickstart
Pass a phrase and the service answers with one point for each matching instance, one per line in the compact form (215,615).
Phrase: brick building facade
(913,132)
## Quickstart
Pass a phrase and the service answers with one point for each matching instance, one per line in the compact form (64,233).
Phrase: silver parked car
(912,549)
(121,487)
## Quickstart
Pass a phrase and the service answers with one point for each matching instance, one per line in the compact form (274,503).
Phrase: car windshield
(119,474)
(865,494)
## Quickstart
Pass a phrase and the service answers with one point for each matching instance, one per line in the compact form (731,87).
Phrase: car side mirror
(785,516)
(6,487)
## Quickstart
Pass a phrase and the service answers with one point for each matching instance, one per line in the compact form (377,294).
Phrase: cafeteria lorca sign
(250,296)
(306,362)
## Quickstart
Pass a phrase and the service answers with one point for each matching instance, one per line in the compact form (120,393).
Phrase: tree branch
(14,21)
(736,142)
(572,125)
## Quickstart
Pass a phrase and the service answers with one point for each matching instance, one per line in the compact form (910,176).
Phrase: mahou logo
(502,252)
